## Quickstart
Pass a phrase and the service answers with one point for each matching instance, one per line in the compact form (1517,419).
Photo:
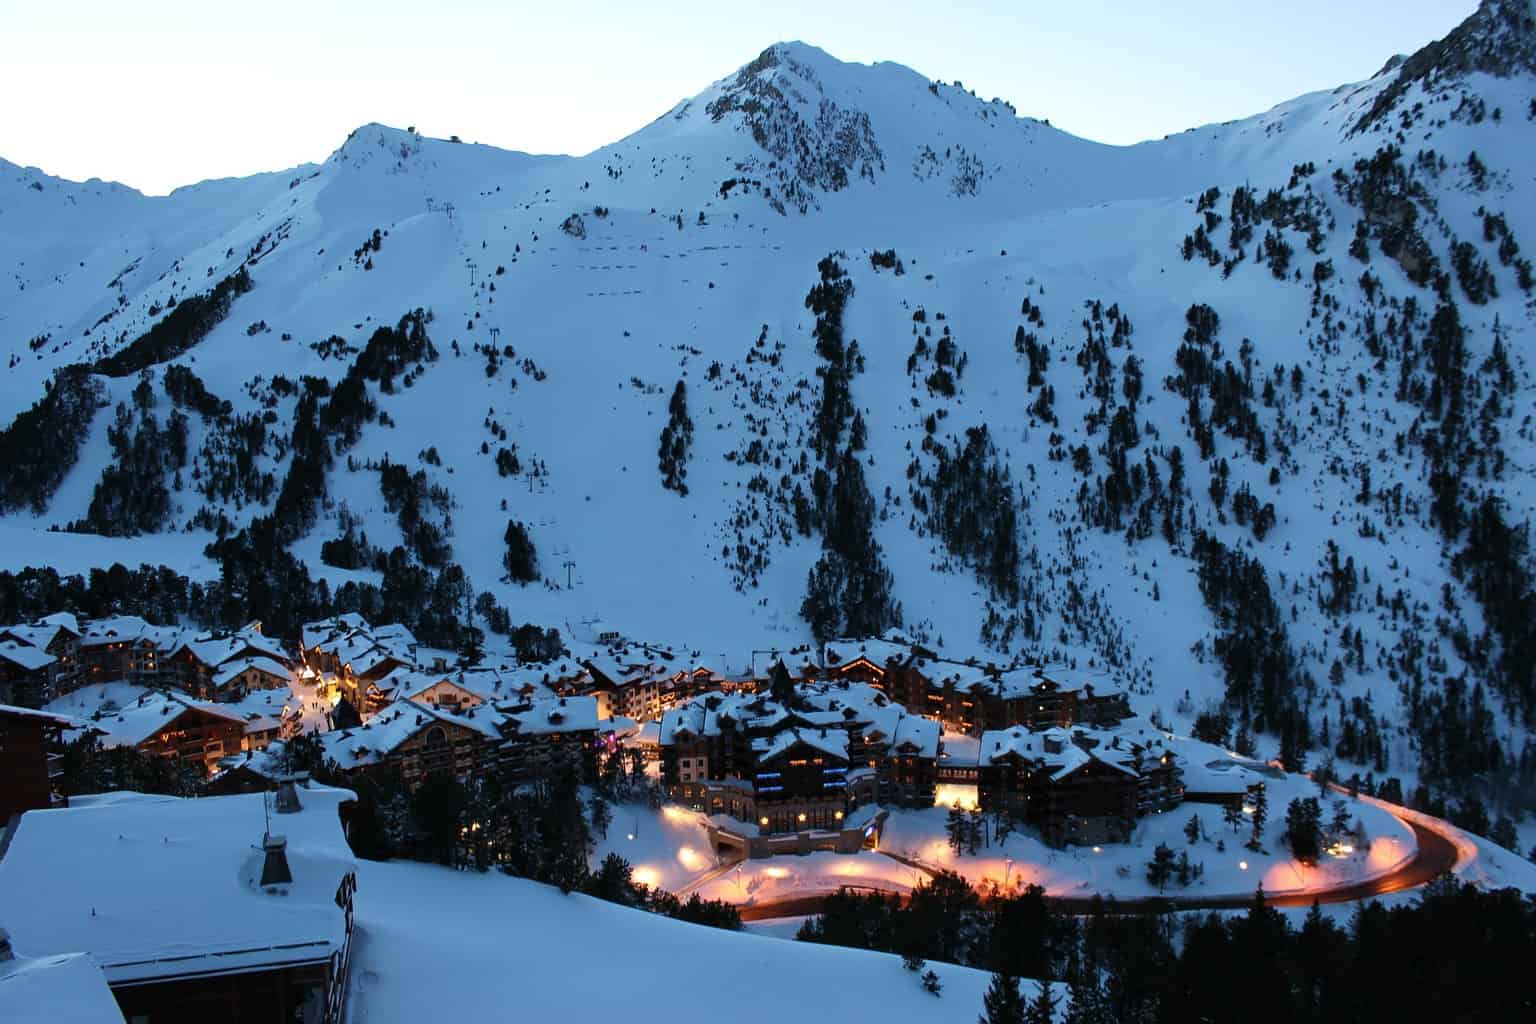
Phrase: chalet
(125,648)
(233,680)
(751,758)
(57,635)
(437,689)
(215,667)
(909,772)
(543,736)
(318,640)
(269,715)
(30,742)
(1079,786)
(364,664)
(896,667)
(359,655)
(416,741)
(26,674)
(197,733)
(190,909)
(801,780)
(971,697)
(636,683)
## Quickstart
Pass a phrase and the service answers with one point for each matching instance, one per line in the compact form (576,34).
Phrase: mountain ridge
(1072,397)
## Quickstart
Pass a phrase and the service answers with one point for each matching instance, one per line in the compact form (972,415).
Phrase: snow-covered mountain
(1285,352)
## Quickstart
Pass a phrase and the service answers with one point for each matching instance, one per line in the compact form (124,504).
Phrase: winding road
(1437,852)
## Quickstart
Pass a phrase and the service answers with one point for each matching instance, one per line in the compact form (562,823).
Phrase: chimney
(274,870)
(287,800)
(5,946)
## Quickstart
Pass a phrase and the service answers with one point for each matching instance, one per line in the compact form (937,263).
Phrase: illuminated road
(1436,853)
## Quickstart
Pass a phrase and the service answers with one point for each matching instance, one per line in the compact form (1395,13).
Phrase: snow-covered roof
(394,633)
(68,988)
(96,699)
(406,682)
(880,650)
(136,722)
(920,735)
(828,741)
(28,659)
(263,710)
(960,749)
(376,738)
(49,717)
(63,620)
(1061,751)
(215,651)
(40,635)
(318,632)
(229,670)
(119,628)
(559,715)
(160,887)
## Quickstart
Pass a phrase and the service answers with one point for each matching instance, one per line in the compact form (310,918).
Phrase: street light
(1007,870)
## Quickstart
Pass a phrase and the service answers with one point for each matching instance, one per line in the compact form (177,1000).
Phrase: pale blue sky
(160,93)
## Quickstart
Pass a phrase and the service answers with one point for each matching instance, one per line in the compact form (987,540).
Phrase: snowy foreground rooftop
(69,989)
(153,886)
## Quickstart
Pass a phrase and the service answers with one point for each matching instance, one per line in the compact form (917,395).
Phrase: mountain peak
(816,142)
(1499,39)
(378,143)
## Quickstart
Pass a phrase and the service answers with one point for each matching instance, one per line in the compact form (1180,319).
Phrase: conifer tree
(1002,1003)
(1041,1009)
(1260,816)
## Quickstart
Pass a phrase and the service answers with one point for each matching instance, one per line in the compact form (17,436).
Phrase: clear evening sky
(161,93)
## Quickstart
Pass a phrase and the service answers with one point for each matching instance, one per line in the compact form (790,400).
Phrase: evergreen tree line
(676,437)
(848,590)
(42,444)
(188,322)
(132,497)
(407,494)
(1457,953)
(970,503)
(1258,662)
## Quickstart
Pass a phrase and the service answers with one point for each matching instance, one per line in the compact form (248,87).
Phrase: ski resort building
(57,655)
(26,674)
(1078,786)
(221,908)
(360,656)
(197,733)
(971,697)
(39,661)
(787,770)
(416,741)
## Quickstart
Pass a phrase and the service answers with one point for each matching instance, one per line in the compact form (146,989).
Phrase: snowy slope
(712,221)
(536,951)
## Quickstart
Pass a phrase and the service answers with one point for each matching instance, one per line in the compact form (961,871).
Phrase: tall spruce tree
(1002,1003)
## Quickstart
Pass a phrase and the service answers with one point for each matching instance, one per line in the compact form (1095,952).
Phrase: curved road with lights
(1437,852)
